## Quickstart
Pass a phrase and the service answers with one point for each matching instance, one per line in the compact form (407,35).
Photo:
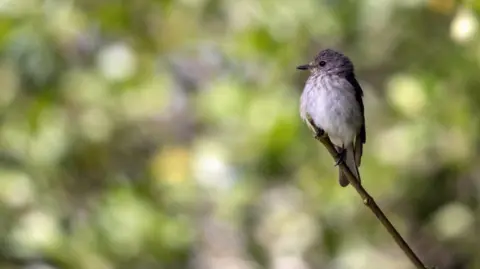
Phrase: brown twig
(367,199)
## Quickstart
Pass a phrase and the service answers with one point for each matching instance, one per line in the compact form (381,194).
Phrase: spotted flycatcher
(332,99)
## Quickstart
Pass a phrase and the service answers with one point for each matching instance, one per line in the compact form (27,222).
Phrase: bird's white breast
(333,107)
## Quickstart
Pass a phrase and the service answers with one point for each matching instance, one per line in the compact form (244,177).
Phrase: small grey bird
(332,98)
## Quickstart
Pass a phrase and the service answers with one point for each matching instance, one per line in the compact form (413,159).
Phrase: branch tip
(321,136)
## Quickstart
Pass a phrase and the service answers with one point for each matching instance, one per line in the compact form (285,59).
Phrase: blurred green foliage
(166,134)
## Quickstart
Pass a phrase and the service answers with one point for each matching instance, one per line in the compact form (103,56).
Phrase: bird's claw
(340,157)
(318,133)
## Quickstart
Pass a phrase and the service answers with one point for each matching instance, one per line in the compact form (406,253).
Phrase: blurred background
(166,134)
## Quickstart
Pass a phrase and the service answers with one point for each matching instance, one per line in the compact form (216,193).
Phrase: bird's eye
(322,63)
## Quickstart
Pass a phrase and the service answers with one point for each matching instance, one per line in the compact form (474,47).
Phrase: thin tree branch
(367,199)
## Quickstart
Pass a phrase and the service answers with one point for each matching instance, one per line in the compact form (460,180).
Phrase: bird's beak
(303,67)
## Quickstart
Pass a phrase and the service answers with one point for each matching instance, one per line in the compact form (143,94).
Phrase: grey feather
(333,99)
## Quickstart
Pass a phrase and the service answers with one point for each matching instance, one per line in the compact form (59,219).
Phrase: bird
(332,100)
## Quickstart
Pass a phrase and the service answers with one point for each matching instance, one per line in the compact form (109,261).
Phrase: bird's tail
(351,164)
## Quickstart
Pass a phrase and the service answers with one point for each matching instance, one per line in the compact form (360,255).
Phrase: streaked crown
(329,62)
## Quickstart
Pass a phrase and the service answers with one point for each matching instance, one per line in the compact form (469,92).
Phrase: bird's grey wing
(361,137)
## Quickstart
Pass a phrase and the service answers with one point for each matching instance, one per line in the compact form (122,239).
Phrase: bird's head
(329,61)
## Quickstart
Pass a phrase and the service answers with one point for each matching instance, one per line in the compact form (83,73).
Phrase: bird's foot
(340,156)
(318,133)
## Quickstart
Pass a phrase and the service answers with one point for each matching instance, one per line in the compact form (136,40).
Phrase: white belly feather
(334,108)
